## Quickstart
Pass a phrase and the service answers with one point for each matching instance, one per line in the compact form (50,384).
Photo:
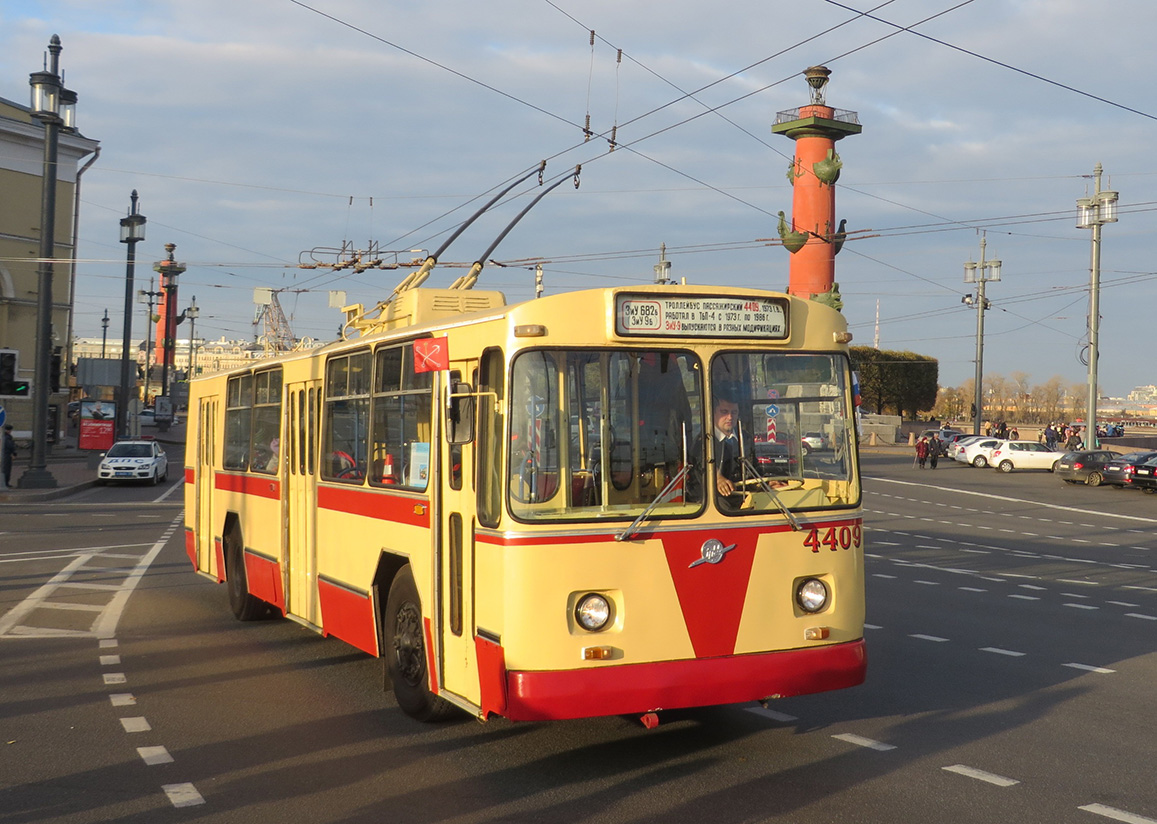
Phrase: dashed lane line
(981,775)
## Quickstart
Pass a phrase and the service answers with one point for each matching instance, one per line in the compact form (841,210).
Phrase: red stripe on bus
(219,554)
(347,615)
(191,546)
(430,667)
(491,675)
(190,475)
(632,689)
(264,578)
(261,487)
(717,529)
(374,504)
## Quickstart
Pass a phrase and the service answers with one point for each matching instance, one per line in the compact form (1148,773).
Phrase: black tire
(1095,479)
(980,462)
(1005,466)
(404,642)
(155,478)
(245,606)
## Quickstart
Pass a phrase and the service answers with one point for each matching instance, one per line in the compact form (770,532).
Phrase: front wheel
(245,606)
(405,652)
(1005,466)
(1095,479)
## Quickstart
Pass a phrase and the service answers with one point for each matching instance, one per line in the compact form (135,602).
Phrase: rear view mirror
(460,413)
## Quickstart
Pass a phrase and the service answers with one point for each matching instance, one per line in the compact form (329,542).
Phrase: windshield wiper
(771,493)
(630,531)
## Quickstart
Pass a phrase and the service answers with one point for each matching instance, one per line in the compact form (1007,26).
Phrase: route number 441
(835,538)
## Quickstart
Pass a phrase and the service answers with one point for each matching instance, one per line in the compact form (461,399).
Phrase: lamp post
(54,106)
(1092,213)
(192,313)
(169,270)
(104,334)
(979,273)
(147,298)
(132,233)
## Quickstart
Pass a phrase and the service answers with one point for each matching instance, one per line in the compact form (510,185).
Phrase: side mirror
(460,413)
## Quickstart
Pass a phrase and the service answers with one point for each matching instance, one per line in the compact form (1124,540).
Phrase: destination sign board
(701,317)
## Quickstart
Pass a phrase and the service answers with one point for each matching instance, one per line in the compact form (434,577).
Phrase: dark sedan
(1145,476)
(1120,471)
(1085,467)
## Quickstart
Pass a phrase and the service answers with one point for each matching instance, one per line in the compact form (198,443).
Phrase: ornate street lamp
(169,270)
(132,233)
(47,91)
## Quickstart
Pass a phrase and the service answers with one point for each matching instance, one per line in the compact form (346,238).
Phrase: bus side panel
(348,615)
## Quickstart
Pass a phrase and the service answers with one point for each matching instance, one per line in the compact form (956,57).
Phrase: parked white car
(955,447)
(979,452)
(1010,455)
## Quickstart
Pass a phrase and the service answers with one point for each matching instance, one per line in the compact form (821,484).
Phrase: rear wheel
(1005,466)
(405,652)
(1095,479)
(245,607)
(980,461)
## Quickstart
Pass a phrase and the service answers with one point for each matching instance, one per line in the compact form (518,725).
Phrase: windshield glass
(130,450)
(600,434)
(762,407)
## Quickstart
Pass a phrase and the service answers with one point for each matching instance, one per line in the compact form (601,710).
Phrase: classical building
(21,182)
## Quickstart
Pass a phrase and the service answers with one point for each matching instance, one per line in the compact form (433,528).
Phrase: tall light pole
(1092,213)
(104,334)
(979,273)
(147,298)
(54,106)
(132,233)
(192,313)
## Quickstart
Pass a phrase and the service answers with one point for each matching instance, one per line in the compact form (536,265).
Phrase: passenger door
(299,471)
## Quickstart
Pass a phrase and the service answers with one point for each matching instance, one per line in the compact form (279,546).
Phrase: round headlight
(592,612)
(812,595)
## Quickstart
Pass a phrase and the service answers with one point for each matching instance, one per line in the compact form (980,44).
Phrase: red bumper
(638,688)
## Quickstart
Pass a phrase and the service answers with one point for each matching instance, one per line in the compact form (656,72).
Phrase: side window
(265,447)
(346,417)
(400,447)
(238,425)
(490,438)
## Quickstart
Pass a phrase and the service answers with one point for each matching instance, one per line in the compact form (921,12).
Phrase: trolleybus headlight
(592,612)
(812,595)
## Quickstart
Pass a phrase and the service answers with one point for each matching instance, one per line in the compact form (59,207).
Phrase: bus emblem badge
(712,552)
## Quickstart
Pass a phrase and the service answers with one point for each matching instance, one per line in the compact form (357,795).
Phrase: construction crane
(276,336)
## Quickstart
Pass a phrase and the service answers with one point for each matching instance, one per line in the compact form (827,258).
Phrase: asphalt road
(1012,626)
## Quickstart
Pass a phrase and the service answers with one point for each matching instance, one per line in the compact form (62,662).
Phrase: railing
(839,115)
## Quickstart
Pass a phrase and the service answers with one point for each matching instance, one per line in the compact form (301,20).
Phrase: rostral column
(813,237)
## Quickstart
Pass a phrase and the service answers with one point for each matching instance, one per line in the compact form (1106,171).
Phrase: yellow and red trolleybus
(521,507)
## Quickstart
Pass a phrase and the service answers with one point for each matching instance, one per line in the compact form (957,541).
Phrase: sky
(266,133)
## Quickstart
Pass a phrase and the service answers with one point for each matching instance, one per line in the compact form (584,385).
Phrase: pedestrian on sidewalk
(7,453)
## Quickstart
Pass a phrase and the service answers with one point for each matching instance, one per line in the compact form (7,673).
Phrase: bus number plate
(835,538)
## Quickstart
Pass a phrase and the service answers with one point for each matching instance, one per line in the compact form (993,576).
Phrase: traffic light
(9,386)
(973,410)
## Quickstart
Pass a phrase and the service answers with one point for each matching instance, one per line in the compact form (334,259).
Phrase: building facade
(21,182)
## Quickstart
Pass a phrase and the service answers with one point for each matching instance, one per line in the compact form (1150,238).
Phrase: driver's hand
(724,486)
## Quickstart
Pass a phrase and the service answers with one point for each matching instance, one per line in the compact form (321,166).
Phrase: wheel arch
(389,565)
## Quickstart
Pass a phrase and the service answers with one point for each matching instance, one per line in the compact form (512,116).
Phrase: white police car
(142,460)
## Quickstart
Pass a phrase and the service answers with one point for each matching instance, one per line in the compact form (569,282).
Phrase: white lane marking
(872,626)
(1025,597)
(114,678)
(109,660)
(935,638)
(1140,615)
(1078,583)
(136,724)
(972,589)
(1143,589)
(1122,604)
(154,755)
(183,795)
(122,699)
(927,583)
(1000,651)
(860,741)
(1088,668)
(1080,606)
(772,714)
(882,575)
(1035,587)
(1073,595)
(1003,499)
(981,775)
(108,643)
(1117,815)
